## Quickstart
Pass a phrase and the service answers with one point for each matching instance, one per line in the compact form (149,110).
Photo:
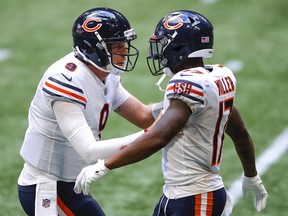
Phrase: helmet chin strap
(110,68)
(78,52)
(158,84)
(167,72)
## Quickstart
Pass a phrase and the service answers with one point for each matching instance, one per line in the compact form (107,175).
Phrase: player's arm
(243,143)
(245,150)
(74,127)
(168,126)
(136,112)
(172,121)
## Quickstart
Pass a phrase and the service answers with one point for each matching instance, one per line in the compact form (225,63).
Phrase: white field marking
(208,1)
(234,65)
(4,54)
(278,147)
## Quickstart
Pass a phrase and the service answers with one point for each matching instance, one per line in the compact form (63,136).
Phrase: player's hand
(256,186)
(89,174)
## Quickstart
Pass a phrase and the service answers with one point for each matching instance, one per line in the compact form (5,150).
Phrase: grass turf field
(255,32)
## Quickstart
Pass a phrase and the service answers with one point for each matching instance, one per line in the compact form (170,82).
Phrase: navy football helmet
(179,35)
(95,31)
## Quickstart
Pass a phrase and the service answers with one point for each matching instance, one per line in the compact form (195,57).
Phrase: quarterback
(198,110)
(69,111)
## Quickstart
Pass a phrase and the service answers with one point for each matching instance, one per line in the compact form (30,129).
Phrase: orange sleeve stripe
(64,208)
(197,92)
(170,88)
(192,90)
(66,92)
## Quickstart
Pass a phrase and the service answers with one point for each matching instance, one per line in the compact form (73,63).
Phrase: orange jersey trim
(66,92)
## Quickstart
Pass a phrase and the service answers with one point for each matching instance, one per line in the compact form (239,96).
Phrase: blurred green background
(36,33)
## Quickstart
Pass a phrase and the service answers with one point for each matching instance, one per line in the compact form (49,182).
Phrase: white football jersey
(191,161)
(44,146)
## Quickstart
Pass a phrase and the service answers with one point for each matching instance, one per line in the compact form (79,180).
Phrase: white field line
(278,147)
(208,1)
(5,54)
(235,65)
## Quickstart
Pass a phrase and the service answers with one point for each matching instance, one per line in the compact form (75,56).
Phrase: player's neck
(100,74)
(190,63)
(193,62)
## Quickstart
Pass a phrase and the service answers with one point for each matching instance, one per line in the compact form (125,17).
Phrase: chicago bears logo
(92,24)
(173,23)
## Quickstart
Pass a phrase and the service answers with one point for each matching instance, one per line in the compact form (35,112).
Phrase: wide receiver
(198,109)
(69,110)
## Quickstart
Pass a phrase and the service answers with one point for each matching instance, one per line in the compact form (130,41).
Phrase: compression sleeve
(74,127)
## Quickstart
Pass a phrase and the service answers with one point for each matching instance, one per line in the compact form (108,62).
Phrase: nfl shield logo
(46,203)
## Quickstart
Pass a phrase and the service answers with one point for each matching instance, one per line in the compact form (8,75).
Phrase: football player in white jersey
(198,110)
(69,110)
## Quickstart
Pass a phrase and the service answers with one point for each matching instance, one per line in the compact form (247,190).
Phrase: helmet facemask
(131,54)
(156,57)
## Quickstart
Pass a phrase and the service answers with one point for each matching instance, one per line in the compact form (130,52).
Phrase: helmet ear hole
(177,53)
(87,47)
(177,48)
(95,55)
